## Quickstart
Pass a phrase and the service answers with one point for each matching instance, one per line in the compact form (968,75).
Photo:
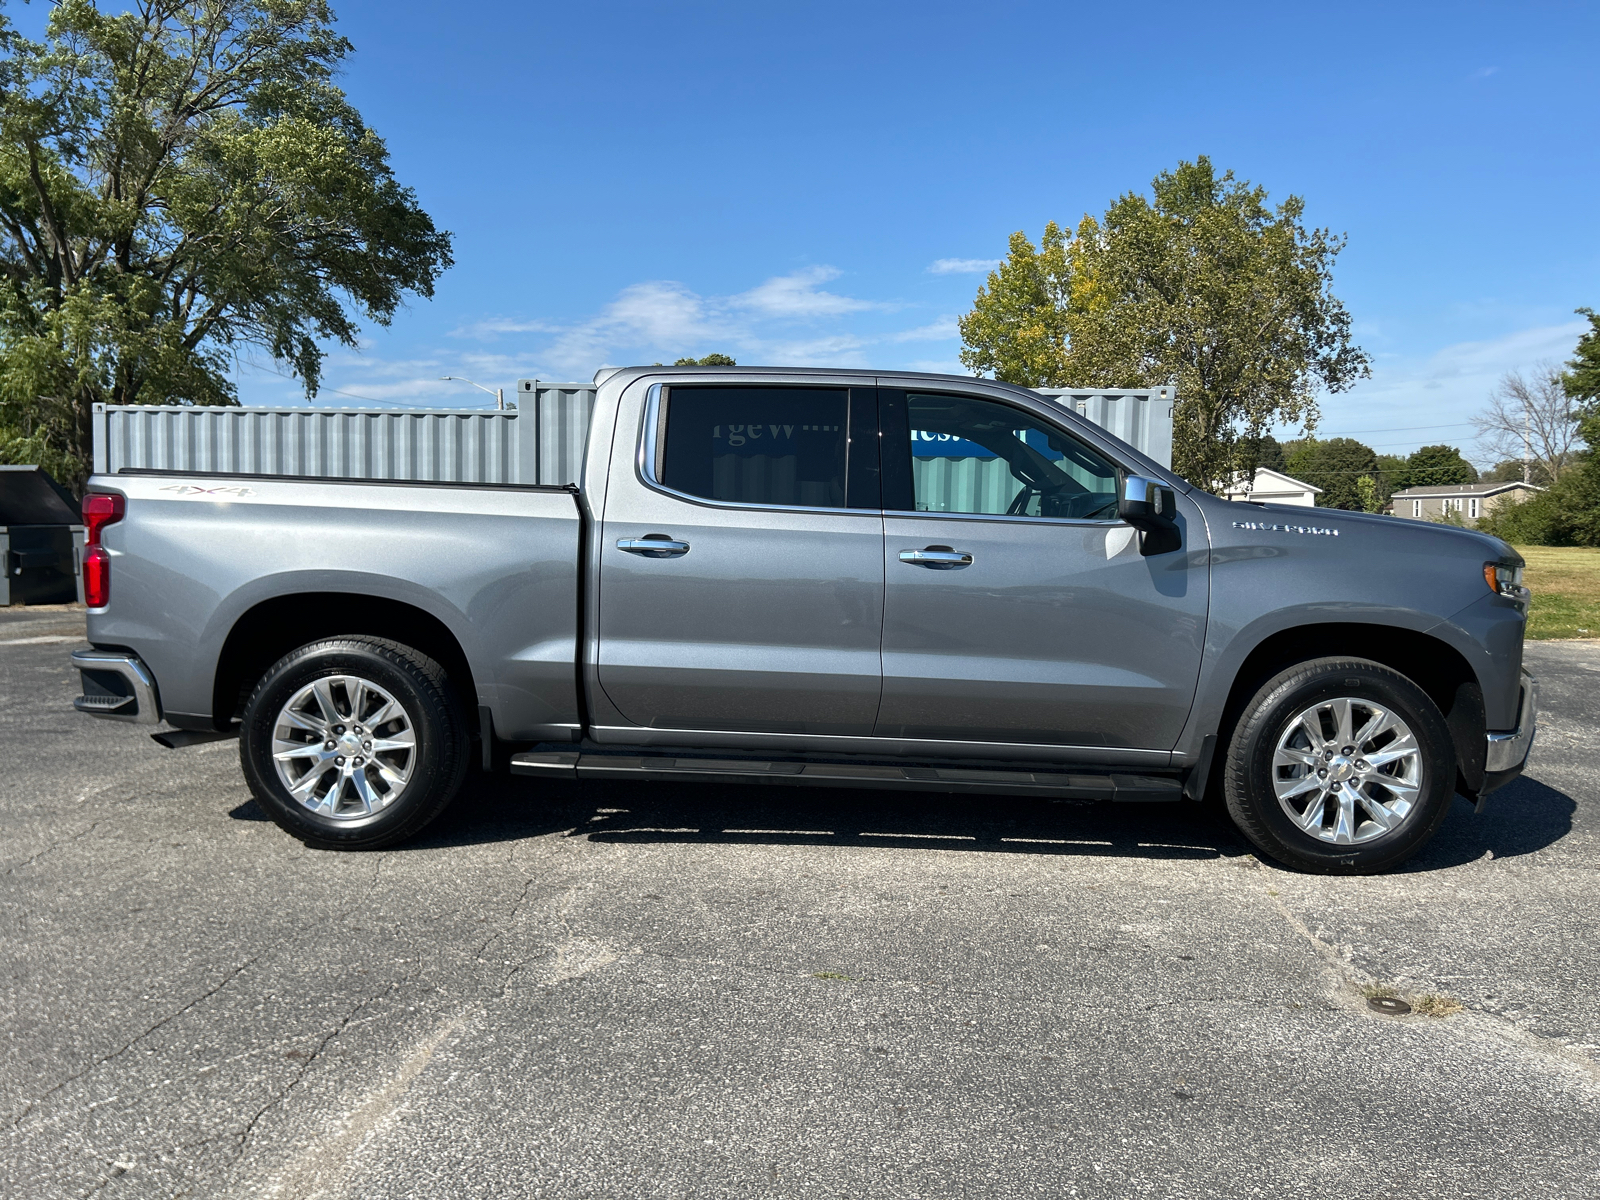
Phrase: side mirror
(1153,510)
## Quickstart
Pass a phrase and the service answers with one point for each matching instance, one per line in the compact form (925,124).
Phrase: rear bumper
(117,685)
(1507,752)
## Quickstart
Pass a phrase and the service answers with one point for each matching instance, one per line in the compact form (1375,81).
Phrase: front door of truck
(741,562)
(1017,608)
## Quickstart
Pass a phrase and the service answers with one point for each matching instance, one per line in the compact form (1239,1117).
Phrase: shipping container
(542,440)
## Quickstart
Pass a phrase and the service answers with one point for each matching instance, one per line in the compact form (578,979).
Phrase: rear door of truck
(740,556)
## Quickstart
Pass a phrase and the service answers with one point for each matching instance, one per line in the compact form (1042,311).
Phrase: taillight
(96,576)
(99,510)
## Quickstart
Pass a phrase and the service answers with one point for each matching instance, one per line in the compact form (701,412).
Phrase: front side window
(978,456)
(756,445)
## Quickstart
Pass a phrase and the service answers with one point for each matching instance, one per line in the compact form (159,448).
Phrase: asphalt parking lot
(642,990)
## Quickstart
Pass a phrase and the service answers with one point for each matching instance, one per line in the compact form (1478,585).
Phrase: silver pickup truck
(836,578)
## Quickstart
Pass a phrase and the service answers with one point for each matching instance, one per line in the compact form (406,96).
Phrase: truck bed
(496,565)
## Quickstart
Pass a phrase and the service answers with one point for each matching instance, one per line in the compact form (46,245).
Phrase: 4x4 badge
(189,489)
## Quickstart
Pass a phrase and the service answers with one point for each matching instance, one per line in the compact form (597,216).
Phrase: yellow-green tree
(1201,286)
(1017,329)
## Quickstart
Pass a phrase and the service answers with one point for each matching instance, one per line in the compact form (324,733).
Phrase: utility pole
(499,394)
(1526,441)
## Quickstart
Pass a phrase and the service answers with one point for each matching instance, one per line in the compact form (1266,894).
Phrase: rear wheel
(1340,766)
(354,743)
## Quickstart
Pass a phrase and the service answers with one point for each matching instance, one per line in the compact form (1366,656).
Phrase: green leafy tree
(1265,451)
(710,360)
(1510,471)
(1017,329)
(1337,466)
(177,182)
(1371,492)
(1208,288)
(1433,466)
(1394,473)
(1582,378)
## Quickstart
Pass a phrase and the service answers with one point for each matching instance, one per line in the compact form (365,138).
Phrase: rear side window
(757,445)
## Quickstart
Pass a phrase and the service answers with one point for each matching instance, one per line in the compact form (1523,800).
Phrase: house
(1274,487)
(1471,500)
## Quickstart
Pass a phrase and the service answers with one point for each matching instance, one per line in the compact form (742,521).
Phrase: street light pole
(499,394)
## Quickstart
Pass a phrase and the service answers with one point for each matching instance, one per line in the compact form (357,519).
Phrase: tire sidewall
(1254,803)
(439,757)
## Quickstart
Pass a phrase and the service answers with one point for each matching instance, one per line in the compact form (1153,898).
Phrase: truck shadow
(1524,817)
(1521,818)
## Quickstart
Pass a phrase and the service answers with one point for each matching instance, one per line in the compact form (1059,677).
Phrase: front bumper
(118,685)
(1507,752)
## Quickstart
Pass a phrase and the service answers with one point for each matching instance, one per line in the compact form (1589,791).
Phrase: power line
(339,391)
(1401,429)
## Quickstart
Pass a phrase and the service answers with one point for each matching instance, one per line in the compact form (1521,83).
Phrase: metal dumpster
(41,541)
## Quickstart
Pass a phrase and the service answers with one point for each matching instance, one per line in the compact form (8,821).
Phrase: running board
(573,764)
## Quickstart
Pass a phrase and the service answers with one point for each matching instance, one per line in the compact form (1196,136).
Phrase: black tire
(430,709)
(1249,771)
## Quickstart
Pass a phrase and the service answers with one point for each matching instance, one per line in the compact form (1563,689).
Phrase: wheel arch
(264,633)
(1433,664)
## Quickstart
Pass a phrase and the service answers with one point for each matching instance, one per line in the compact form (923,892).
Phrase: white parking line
(36,641)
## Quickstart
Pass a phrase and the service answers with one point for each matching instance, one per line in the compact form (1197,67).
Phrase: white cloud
(789,319)
(796,295)
(944,327)
(963,266)
(938,366)
(495,326)
(1418,401)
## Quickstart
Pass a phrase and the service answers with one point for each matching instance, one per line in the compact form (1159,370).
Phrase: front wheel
(353,743)
(1340,766)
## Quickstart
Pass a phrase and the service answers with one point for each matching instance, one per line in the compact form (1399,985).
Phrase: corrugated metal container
(1142,417)
(541,441)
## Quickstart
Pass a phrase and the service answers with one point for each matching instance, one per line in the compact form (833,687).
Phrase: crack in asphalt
(1483,1020)
(243,1136)
(28,862)
(16,1121)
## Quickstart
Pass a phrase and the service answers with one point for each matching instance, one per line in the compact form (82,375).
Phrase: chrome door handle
(939,558)
(653,547)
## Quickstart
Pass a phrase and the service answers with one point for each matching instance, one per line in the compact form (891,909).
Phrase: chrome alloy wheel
(1347,771)
(344,748)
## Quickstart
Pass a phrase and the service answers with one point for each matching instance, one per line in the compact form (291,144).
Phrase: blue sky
(822,183)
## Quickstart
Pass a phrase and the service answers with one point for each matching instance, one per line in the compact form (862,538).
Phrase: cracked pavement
(674,991)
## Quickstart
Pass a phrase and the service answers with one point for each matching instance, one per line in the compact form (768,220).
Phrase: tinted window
(757,445)
(976,456)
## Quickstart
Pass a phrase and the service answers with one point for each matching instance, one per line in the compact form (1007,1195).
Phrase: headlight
(1504,578)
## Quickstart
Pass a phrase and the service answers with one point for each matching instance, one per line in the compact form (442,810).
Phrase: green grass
(1565,581)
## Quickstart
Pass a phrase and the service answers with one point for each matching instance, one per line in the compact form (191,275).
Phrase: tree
(1582,380)
(1431,466)
(1394,474)
(1265,451)
(710,360)
(1338,466)
(176,182)
(1208,289)
(1017,329)
(1568,513)
(1531,415)
(1511,470)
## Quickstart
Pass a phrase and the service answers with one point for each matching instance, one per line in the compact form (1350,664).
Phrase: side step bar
(574,764)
